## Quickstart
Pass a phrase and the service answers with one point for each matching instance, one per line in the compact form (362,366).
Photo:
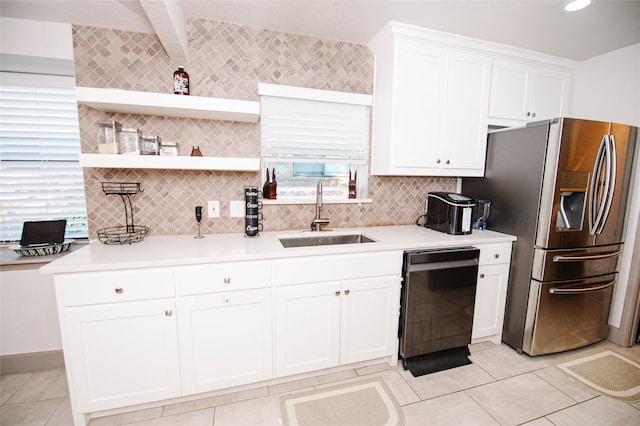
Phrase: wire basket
(121,188)
(122,234)
(128,233)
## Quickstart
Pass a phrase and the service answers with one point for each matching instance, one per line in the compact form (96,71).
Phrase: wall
(606,88)
(227,61)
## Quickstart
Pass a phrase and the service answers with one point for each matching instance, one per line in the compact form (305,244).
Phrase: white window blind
(302,127)
(40,176)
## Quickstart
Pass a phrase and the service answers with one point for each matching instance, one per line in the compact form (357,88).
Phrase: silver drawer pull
(338,293)
(559,258)
(346,292)
(168,313)
(227,280)
(119,290)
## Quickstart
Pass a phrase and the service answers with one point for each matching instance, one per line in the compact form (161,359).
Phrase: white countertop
(157,251)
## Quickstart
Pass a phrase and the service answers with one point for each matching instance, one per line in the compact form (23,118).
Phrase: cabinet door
(510,84)
(491,293)
(525,92)
(225,339)
(418,96)
(548,94)
(464,128)
(122,354)
(370,310)
(307,327)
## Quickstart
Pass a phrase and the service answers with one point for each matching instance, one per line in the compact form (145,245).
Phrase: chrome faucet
(318,221)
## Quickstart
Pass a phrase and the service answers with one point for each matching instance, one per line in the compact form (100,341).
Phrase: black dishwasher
(436,314)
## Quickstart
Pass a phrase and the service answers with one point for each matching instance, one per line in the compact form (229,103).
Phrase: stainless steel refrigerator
(561,187)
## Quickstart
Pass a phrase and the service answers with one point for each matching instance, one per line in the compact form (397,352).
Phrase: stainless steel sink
(325,240)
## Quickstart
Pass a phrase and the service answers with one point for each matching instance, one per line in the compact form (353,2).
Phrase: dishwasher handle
(431,266)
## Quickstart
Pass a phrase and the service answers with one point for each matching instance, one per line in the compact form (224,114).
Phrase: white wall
(607,88)
(28,313)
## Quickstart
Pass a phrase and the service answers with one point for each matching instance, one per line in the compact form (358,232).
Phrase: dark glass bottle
(181,82)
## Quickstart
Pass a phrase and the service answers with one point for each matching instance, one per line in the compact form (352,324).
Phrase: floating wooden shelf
(115,161)
(162,104)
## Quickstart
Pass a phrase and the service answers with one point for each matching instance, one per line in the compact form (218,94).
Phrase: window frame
(67,163)
(360,103)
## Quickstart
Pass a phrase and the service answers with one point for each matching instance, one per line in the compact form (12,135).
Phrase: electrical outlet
(236,208)
(213,208)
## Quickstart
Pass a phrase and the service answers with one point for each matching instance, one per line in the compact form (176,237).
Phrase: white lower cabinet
(307,333)
(369,318)
(491,292)
(121,354)
(322,325)
(146,335)
(225,339)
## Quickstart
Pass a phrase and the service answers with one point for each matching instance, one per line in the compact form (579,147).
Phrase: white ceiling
(604,26)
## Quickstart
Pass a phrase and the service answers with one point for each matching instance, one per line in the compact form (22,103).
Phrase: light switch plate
(236,208)
(213,208)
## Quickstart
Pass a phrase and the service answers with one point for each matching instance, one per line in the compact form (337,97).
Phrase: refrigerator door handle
(561,258)
(580,290)
(599,187)
(611,185)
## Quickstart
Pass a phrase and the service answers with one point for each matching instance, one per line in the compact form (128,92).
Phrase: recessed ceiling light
(573,5)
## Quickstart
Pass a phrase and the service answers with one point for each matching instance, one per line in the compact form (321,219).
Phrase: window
(40,176)
(310,134)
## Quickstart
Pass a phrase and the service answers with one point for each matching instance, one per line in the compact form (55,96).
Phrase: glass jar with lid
(130,140)
(169,148)
(108,137)
(150,145)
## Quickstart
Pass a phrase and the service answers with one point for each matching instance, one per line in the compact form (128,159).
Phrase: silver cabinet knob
(448,161)
(346,292)
(481,275)
(168,313)
(119,290)
(497,255)
(338,293)
(227,280)
(438,161)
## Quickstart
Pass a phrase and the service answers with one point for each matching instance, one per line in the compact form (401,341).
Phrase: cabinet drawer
(493,254)
(222,277)
(109,287)
(336,267)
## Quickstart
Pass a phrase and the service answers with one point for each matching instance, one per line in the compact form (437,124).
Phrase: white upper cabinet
(436,93)
(521,92)
(430,106)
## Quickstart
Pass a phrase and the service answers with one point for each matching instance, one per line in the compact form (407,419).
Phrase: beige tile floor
(501,387)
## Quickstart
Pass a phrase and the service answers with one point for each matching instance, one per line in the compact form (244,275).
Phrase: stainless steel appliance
(436,312)
(561,187)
